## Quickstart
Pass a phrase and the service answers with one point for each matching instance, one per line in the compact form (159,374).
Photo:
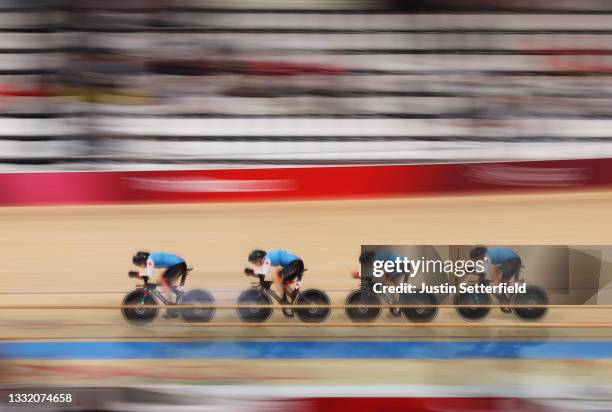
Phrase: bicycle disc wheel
(197,315)
(362,314)
(534,295)
(419,314)
(139,316)
(254,313)
(312,314)
(472,314)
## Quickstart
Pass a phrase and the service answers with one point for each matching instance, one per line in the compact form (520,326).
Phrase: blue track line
(560,349)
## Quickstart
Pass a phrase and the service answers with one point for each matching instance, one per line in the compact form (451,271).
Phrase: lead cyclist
(175,268)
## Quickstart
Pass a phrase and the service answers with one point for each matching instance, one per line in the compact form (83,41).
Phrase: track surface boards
(60,255)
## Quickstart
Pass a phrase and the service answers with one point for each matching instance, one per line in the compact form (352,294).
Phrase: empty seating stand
(152,84)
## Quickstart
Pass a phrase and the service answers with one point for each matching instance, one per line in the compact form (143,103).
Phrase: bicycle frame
(264,288)
(387,297)
(151,288)
(483,280)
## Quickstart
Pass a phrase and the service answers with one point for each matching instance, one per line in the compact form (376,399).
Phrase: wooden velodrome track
(80,255)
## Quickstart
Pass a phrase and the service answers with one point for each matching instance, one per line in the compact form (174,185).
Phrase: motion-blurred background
(194,84)
(148,83)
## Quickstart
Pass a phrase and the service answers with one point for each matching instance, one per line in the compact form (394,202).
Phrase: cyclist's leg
(170,277)
(183,273)
(496,275)
(168,281)
(509,270)
(277,279)
(393,279)
(293,271)
(288,275)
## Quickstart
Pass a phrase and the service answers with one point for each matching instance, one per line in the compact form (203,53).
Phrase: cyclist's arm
(263,269)
(272,270)
(149,270)
(493,271)
(266,268)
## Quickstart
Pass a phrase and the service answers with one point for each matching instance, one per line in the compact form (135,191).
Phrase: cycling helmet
(478,252)
(367,257)
(256,254)
(140,257)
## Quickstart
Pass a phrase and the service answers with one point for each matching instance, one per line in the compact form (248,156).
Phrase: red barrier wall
(296,183)
(419,404)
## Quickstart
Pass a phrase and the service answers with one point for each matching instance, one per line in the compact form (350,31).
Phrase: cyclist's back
(165,259)
(499,255)
(281,257)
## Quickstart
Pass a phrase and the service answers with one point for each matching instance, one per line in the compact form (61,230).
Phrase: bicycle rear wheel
(363,314)
(197,315)
(472,314)
(534,295)
(312,314)
(419,314)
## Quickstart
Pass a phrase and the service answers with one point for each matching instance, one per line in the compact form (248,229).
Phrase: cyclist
(366,260)
(285,268)
(503,266)
(174,266)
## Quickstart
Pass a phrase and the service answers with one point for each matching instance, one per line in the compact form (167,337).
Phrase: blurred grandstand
(183,83)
